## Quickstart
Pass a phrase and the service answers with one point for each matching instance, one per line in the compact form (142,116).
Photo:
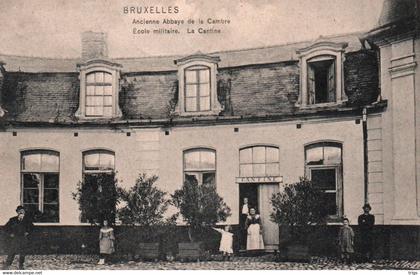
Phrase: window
(197,89)
(324,168)
(197,85)
(259,161)
(98,161)
(200,164)
(99,88)
(99,94)
(40,184)
(321,75)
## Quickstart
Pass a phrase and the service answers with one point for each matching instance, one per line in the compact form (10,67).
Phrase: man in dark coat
(17,229)
(366,222)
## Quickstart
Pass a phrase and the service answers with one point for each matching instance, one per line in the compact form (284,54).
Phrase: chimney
(94,45)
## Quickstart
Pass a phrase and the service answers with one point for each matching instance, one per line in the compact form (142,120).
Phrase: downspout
(365,154)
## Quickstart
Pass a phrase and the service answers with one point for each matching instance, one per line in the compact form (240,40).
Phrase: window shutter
(311,85)
(331,83)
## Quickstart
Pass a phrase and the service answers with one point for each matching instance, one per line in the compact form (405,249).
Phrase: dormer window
(197,85)
(321,76)
(99,87)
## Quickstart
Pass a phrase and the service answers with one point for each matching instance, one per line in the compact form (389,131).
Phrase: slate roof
(256,82)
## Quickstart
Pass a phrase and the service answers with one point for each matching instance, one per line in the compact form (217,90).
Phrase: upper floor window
(321,75)
(259,161)
(99,88)
(323,162)
(40,184)
(200,164)
(197,85)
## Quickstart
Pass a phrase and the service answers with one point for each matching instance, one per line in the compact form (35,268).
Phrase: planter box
(298,253)
(191,251)
(148,251)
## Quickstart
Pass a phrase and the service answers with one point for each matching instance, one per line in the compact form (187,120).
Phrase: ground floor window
(200,165)
(324,169)
(40,184)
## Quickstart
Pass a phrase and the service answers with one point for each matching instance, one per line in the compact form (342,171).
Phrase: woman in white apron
(254,239)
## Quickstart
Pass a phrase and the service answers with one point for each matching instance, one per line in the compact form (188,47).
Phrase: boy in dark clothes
(366,222)
(18,229)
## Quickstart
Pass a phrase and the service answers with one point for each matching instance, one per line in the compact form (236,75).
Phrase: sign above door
(266,179)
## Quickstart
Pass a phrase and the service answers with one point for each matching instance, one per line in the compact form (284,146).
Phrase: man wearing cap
(18,229)
(366,222)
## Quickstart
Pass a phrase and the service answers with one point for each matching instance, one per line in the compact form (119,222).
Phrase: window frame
(41,188)
(265,163)
(338,167)
(199,172)
(193,61)
(99,66)
(197,84)
(96,84)
(317,52)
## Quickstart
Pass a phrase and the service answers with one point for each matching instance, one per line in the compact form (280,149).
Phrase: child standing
(346,241)
(225,242)
(106,242)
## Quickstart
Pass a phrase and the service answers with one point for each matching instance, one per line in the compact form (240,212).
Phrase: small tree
(98,196)
(145,204)
(199,205)
(299,206)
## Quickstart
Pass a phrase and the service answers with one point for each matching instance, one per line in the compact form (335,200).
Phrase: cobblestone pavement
(267,262)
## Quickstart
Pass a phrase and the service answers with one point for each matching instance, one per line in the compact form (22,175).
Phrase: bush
(145,204)
(299,206)
(199,205)
(97,195)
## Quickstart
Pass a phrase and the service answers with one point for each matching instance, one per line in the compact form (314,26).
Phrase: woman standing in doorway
(254,229)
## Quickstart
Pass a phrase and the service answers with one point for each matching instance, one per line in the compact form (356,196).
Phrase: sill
(321,105)
(206,113)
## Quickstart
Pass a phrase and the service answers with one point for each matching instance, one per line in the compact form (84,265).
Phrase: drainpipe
(365,154)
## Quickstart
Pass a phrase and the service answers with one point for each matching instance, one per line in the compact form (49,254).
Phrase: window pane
(108,100)
(330,203)
(191,104)
(31,180)
(91,161)
(98,111)
(204,103)
(192,160)
(89,100)
(50,213)
(50,195)
(204,76)
(190,76)
(99,90)
(332,155)
(99,77)
(90,78)
(51,180)
(272,169)
(324,179)
(208,160)
(108,78)
(245,155)
(97,101)
(191,90)
(191,177)
(272,154)
(259,170)
(106,161)
(107,111)
(31,162)
(209,178)
(30,195)
(246,170)
(314,155)
(205,90)
(90,90)
(50,163)
(108,90)
(258,154)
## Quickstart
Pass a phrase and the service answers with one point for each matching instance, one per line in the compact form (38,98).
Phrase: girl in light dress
(106,242)
(226,242)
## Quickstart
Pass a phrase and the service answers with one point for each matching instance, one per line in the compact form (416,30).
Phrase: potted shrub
(298,208)
(201,207)
(144,206)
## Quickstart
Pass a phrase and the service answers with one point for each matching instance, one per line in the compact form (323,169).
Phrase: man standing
(18,229)
(244,215)
(366,222)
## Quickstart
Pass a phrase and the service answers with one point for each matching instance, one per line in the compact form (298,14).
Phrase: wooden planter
(297,253)
(148,251)
(192,251)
